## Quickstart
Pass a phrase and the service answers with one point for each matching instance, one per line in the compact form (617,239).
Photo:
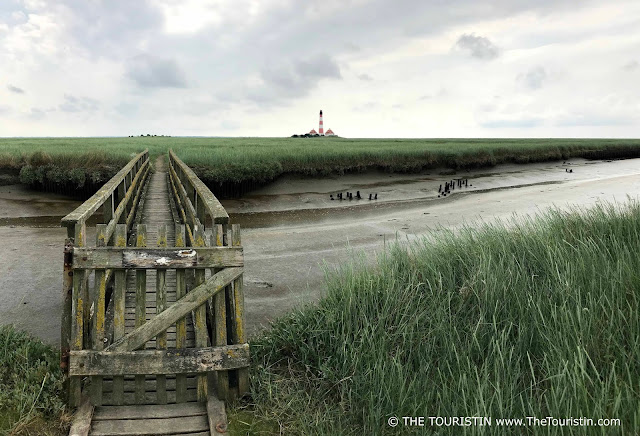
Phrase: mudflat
(292,230)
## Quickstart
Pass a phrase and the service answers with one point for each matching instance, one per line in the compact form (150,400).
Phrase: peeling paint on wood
(153,258)
(159,362)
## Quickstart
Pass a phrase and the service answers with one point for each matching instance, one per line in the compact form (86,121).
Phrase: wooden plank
(159,362)
(179,309)
(238,329)
(156,258)
(119,306)
(181,324)
(88,208)
(149,411)
(99,304)
(218,213)
(82,418)
(149,384)
(161,305)
(67,303)
(200,316)
(217,416)
(141,295)
(77,310)
(150,397)
(220,318)
(159,426)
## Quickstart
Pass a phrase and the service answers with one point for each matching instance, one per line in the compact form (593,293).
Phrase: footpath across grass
(232,166)
(535,318)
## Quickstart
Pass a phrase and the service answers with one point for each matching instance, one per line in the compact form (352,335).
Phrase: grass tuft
(30,385)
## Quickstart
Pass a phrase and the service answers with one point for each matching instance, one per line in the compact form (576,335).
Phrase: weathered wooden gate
(128,339)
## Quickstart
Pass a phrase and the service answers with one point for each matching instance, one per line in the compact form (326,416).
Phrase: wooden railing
(220,322)
(118,198)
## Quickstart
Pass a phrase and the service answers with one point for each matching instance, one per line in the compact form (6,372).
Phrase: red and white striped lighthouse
(321,128)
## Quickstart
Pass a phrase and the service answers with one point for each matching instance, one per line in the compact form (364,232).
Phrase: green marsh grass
(30,386)
(236,161)
(535,317)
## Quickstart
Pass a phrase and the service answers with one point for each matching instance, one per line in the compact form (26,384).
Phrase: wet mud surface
(292,231)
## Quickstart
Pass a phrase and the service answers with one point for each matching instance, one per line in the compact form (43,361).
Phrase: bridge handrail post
(194,200)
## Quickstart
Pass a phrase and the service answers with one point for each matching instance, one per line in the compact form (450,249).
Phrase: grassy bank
(60,166)
(231,166)
(537,318)
(30,386)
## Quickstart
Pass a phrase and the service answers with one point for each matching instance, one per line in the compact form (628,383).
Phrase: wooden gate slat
(141,295)
(200,317)
(154,258)
(149,411)
(99,296)
(158,426)
(119,305)
(181,324)
(220,316)
(161,305)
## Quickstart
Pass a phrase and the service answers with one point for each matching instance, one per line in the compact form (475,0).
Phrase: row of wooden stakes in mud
(121,342)
(339,196)
(451,186)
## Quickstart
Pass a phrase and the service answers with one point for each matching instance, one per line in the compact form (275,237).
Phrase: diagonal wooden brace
(198,296)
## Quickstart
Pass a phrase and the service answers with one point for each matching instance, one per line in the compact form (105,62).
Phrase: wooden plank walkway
(154,418)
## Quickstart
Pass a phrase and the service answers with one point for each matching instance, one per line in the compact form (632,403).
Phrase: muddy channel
(292,230)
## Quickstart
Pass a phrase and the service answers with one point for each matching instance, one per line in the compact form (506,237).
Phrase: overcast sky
(377,68)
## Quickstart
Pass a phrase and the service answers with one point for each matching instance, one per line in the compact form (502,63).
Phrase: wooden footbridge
(153,338)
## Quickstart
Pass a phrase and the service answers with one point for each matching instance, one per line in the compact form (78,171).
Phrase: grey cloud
(365,77)
(105,27)
(15,89)
(4,109)
(478,46)
(151,72)
(318,67)
(631,66)
(282,32)
(534,78)
(290,80)
(36,113)
(78,104)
